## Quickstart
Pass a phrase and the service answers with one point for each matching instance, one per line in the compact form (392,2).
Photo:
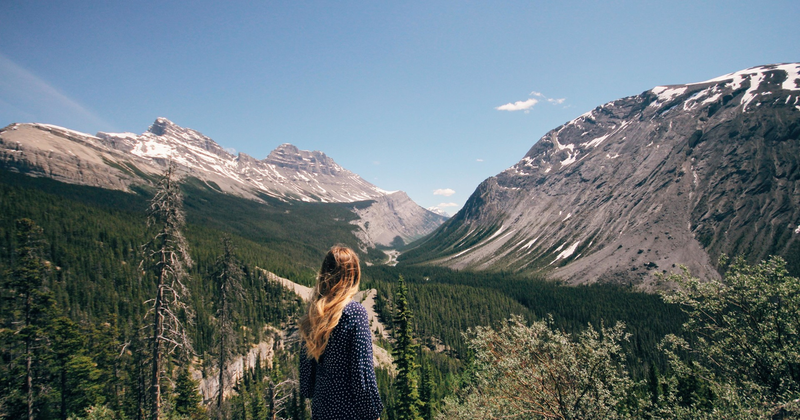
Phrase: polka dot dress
(342,384)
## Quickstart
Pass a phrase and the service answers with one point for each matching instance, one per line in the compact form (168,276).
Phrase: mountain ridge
(121,160)
(674,176)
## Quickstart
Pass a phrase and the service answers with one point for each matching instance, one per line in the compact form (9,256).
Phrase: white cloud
(527,105)
(518,106)
(440,205)
(478,160)
(447,192)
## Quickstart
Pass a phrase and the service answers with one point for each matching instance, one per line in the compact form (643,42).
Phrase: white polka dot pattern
(342,384)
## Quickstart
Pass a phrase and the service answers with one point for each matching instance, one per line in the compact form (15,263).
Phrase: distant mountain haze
(121,160)
(674,176)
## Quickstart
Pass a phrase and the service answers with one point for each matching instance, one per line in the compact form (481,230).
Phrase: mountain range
(123,160)
(676,175)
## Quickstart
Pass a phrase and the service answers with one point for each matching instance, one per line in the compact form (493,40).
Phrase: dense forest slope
(676,175)
(93,238)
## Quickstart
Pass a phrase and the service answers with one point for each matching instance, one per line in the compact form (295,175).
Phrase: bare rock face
(69,156)
(119,160)
(676,175)
(395,216)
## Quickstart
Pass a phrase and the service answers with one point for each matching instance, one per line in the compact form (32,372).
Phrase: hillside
(123,161)
(674,176)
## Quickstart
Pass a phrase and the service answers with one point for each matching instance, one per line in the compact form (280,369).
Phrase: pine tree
(135,360)
(104,346)
(168,256)
(77,374)
(405,349)
(187,399)
(426,391)
(31,305)
(227,278)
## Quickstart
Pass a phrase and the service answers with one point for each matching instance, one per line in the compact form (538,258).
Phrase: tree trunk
(28,355)
(157,326)
(29,377)
(64,392)
(221,371)
(142,391)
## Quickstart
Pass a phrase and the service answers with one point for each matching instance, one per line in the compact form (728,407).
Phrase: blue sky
(406,94)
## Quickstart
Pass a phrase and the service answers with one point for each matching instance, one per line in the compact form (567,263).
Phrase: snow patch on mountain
(287,173)
(567,252)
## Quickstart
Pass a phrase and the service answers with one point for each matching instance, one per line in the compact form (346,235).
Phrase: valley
(589,229)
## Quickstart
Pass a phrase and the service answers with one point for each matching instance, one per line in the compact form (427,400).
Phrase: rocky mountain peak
(289,156)
(178,138)
(162,126)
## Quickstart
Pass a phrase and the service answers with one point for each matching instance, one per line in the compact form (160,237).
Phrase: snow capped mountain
(676,175)
(119,160)
(287,173)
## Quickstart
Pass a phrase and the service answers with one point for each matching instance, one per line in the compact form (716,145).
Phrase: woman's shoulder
(354,311)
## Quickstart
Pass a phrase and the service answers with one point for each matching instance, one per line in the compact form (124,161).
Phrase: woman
(336,369)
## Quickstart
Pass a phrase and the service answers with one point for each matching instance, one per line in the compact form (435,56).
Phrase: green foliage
(28,308)
(94,237)
(187,398)
(439,297)
(89,253)
(426,396)
(447,302)
(92,290)
(534,371)
(438,306)
(227,277)
(742,352)
(404,352)
(79,379)
(100,412)
(268,393)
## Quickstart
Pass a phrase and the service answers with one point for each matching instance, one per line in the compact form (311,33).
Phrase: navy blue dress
(342,384)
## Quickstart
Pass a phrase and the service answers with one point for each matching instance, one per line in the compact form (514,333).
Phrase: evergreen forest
(81,290)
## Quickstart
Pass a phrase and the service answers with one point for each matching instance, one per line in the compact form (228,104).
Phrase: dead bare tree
(167,256)
(279,396)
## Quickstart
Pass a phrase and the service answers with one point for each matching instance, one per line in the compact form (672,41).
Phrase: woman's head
(339,274)
(337,283)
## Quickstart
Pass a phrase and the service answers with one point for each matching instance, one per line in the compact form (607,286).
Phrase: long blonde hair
(337,283)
